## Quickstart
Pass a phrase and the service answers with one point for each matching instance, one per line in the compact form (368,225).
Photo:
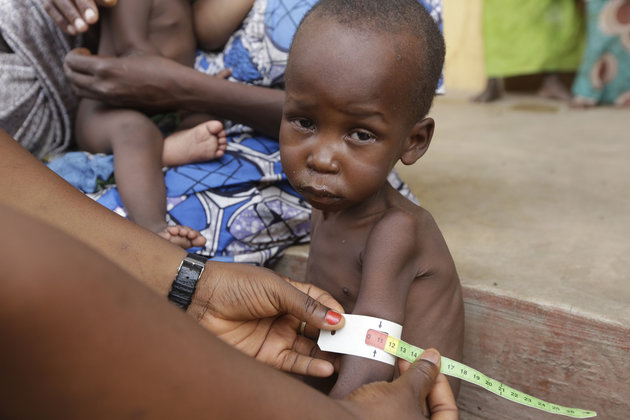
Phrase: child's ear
(418,141)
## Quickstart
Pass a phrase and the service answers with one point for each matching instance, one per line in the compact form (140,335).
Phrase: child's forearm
(356,371)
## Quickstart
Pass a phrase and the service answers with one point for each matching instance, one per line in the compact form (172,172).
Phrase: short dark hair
(394,17)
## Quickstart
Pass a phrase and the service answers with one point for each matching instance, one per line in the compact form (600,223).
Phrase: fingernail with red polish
(332,317)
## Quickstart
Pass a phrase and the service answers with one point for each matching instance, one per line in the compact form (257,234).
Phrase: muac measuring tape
(371,333)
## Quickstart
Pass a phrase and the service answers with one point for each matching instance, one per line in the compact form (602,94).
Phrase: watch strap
(185,283)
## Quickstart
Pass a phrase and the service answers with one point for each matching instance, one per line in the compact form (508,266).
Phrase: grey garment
(37,105)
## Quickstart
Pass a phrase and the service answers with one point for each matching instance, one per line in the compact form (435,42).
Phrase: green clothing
(531,36)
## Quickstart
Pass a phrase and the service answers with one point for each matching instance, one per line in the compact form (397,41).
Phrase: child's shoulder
(407,214)
(403,220)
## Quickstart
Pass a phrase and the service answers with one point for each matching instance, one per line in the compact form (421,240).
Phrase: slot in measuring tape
(399,348)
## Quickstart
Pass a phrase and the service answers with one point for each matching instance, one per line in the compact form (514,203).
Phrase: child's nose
(322,158)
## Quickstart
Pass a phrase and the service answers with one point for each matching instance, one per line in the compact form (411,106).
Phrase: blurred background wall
(464,49)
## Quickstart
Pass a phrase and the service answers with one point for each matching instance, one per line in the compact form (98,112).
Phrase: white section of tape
(351,338)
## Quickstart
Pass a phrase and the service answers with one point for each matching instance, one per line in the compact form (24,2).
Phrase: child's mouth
(318,194)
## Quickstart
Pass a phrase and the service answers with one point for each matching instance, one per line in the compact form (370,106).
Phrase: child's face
(346,118)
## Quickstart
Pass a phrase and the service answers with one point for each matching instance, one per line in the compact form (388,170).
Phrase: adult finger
(58,18)
(308,347)
(423,377)
(420,376)
(88,10)
(64,13)
(303,360)
(79,60)
(311,304)
(441,400)
(78,13)
(78,71)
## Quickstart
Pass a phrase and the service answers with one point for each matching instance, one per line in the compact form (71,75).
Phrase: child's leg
(136,144)
(198,140)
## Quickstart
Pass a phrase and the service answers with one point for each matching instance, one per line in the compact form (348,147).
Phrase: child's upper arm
(434,310)
(389,264)
(216,20)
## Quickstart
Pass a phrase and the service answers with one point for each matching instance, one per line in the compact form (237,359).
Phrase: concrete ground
(533,198)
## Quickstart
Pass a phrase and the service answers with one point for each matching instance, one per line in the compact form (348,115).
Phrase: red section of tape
(376,339)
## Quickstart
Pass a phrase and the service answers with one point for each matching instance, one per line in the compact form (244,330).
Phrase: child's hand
(74,16)
(407,396)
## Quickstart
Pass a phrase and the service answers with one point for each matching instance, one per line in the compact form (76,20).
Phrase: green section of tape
(465,373)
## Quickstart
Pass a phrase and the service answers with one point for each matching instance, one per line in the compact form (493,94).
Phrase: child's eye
(304,123)
(361,136)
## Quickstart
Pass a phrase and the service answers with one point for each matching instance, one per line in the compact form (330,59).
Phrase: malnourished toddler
(360,81)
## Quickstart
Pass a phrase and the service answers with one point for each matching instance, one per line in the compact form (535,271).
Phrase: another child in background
(360,81)
(159,27)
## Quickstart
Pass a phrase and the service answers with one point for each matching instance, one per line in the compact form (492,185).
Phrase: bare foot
(491,93)
(553,88)
(183,236)
(205,141)
(582,103)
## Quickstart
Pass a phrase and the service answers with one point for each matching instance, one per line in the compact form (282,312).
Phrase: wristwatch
(188,274)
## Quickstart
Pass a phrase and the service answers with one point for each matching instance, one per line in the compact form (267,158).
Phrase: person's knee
(134,130)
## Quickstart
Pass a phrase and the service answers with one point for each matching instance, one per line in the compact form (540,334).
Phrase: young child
(360,80)
(162,27)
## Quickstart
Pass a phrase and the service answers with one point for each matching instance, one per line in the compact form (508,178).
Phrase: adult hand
(74,16)
(151,82)
(137,81)
(420,383)
(258,312)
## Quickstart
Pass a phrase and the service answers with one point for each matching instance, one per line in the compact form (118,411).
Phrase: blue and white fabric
(242,203)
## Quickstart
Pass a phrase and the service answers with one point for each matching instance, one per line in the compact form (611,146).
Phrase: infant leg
(136,143)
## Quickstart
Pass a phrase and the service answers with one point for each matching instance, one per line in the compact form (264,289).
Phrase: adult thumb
(421,375)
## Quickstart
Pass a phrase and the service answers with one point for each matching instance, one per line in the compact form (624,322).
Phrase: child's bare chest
(334,262)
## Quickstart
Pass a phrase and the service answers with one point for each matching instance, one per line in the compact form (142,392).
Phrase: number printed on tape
(450,367)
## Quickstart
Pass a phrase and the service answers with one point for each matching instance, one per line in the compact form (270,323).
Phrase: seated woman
(242,203)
